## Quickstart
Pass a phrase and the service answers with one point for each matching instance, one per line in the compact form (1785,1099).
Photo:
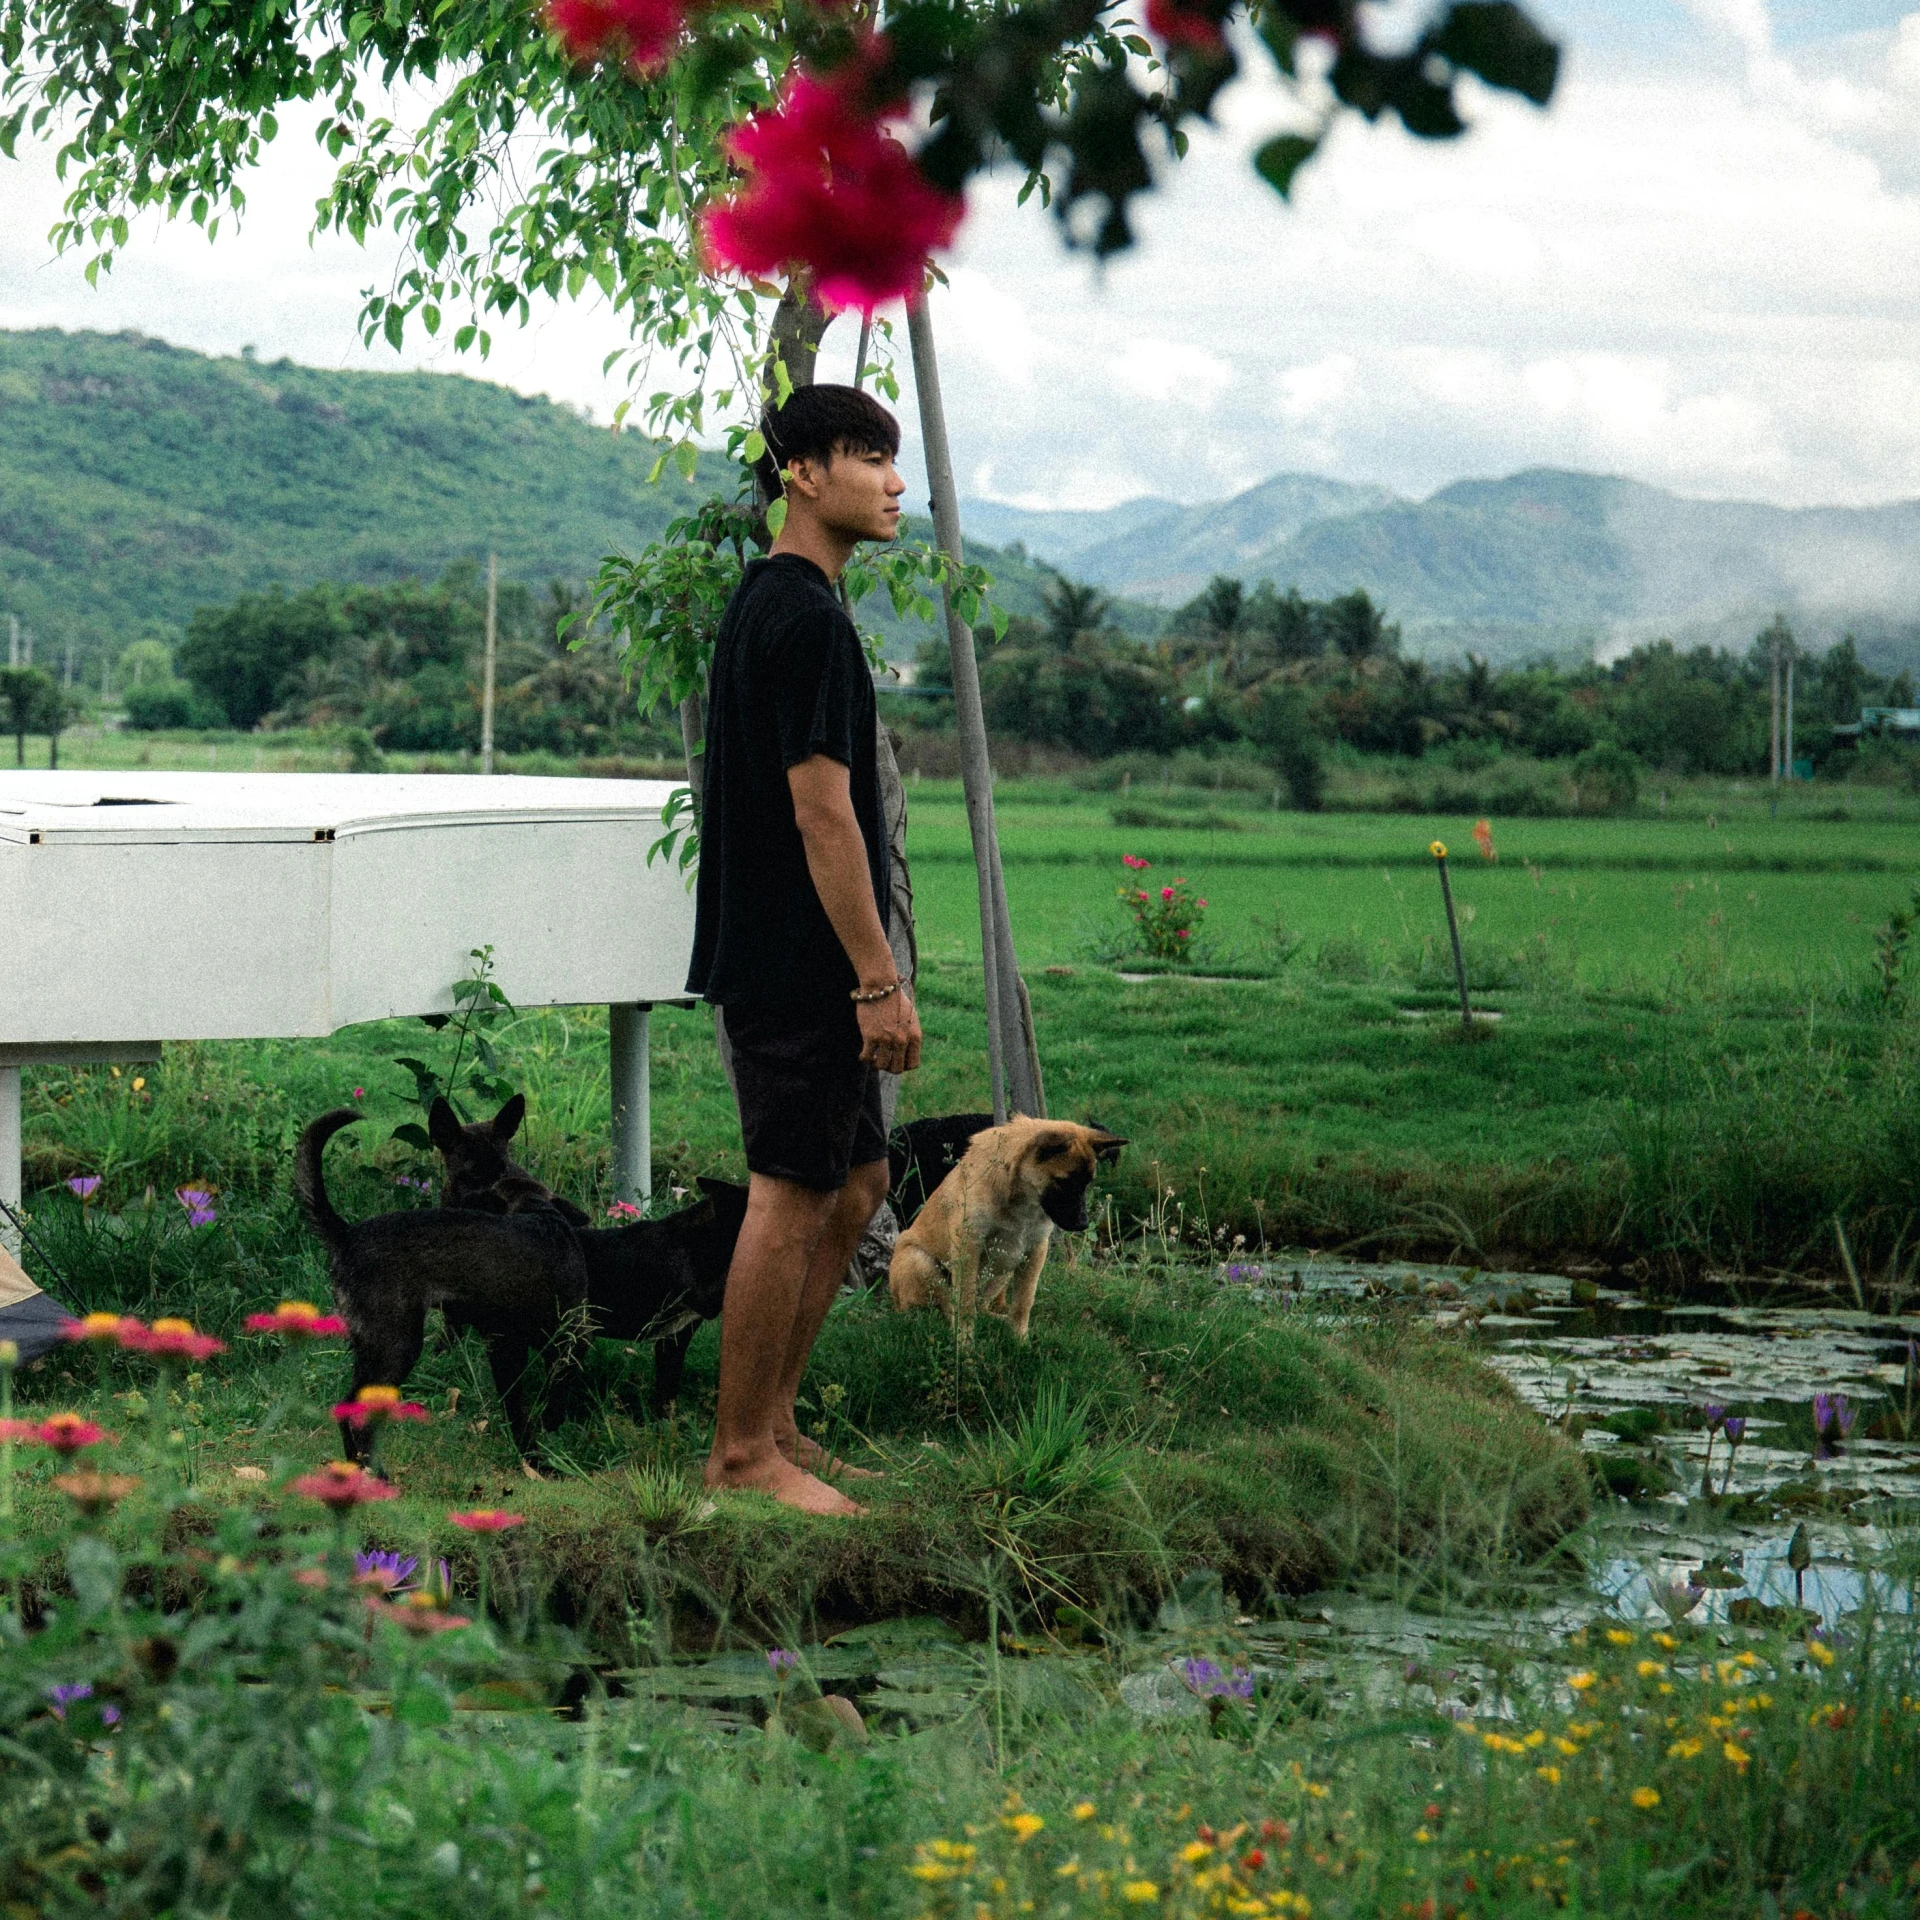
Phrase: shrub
(1606,779)
(171,704)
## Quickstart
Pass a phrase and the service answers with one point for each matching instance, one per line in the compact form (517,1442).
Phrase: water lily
(1675,1600)
(1735,1428)
(1832,1422)
(83,1186)
(198,1202)
(385,1572)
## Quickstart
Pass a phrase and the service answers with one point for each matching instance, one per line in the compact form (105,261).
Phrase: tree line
(1293,678)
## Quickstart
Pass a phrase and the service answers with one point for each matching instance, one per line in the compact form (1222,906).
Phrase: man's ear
(804,476)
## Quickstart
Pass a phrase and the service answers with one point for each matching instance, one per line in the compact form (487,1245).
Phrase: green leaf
(998,615)
(435,1020)
(411,1133)
(776,516)
(753,447)
(686,456)
(1494,39)
(1282,157)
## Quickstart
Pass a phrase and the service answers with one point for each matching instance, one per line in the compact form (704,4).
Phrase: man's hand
(890,1032)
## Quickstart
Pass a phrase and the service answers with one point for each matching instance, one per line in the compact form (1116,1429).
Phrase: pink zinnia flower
(487,1520)
(829,189)
(343,1485)
(1134,861)
(173,1340)
(67,1433)
(374,1406)
(623,1210)
(20,1433)
(1166,893)
(298,1320)
(106,1330)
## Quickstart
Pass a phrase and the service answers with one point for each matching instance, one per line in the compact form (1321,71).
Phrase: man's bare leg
(771,1265)
(853,1206)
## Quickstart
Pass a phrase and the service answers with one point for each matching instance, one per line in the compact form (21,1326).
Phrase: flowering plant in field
(1165,918)
(198,1202)
(374,1406)
(105,1330)
(383,1571)
(68,1434)
(342,1485)
(487,1520)
(297,1320)
(83,1186)
(172,1340)
(624,1211)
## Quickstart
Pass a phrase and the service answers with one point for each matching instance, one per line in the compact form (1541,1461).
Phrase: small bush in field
(1166,918)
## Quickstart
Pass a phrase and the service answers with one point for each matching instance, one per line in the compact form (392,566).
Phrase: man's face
(855,494)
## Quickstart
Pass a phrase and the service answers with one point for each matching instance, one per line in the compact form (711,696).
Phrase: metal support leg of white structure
(10,1155)
(629,1061)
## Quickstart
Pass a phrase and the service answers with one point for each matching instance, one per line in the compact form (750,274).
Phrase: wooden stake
(486,684)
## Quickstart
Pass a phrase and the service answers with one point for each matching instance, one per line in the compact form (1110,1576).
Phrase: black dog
(481,1175)
(512,1278)
(922,1153)
(654,1280)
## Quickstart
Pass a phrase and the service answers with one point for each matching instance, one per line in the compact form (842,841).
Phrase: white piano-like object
(142,907)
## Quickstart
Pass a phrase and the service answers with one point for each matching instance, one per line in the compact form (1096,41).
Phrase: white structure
(142,907)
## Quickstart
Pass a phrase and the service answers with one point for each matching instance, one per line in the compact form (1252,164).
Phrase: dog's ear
(1106,1146)
(506,1123)
(443,1124)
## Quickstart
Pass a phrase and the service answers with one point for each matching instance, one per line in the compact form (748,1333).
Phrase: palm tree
(1073,607)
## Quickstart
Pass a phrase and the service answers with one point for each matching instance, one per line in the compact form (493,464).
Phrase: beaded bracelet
(871,996)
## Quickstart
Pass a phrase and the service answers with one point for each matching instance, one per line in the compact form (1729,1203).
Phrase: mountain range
(1545,560)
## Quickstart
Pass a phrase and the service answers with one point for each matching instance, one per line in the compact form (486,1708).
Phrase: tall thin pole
(1788,753)
(1009,1056)
(486,683)
(68,682)
(26,646)
(13,639)
(1773,749)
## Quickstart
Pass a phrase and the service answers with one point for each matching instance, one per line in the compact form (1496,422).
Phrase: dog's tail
(310,1180)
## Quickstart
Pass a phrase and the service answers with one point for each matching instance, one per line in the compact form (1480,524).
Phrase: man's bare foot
(775,1474)
(809,1453)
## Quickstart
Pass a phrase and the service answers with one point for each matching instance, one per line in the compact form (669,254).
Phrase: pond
(1788,1524)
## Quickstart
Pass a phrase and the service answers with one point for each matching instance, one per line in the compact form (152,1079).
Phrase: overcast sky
(1700,268)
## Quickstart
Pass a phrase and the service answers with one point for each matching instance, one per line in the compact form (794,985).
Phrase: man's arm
(837,860)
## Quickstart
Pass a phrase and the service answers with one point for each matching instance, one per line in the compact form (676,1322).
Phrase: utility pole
(486,684)
(26,646)
(1013,1056)
(1773,748)
(1787,753)
(13,640)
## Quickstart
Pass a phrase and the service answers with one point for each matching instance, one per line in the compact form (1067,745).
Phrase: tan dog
(987,1225)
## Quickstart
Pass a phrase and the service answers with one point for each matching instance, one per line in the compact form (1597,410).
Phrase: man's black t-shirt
(789,681)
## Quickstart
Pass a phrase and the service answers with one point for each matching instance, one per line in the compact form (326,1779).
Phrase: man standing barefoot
(790,931)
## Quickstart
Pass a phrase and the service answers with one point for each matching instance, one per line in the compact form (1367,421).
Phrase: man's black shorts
(809,1106)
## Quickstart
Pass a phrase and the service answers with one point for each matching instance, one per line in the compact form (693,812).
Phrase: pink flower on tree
(1179,23)
(828,188)
(639,33)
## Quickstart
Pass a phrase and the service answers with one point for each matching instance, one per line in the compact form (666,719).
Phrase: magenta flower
(1134,861)
(83,1186)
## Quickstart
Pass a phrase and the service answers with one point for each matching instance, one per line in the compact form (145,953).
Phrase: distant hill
(1541,561)
(139,481)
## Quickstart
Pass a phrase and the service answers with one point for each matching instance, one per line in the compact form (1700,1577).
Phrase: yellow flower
(1438,848)
(1687,1749)
(1664,1640)
(1666,1686)
(1083,1810)
(1619,1637)
(1551,1775)
(1067,1869)
(1583,1729)
(1535,1739)
(1580,1682)
(1737,1755)
(1821,1652)
(1747,1659)
(1139,1891)
(1568,1747)
(1648,1668)
(1023,1826)
(1316,1790)
(1761,1702)
(932,1870)
(1194,1851)
(1646,1797)
(951,1850)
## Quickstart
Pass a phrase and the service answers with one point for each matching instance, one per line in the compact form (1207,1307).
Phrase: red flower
(1483,839)
(639,32)
(1181,24)
(375,1406)
(829,189)
(20,1433)
(417,1613)
(343,1485)
(105,1329)
(1254,1861)
(1134,861)
(298,1320)
(1276,1831)
(487,1520)
(172,1340)
(67,1433)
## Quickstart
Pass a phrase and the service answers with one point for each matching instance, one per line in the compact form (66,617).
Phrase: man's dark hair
(818,422)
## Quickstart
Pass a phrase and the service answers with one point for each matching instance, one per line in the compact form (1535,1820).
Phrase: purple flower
(198,1202)
(64,1695)
(419,1186)
(781,1661)
(1715,1416)
(1246,1273)
(1832,1422)
(389,1571)
(1207,1680)
(83,1186)
(1736,1427)
(110,1715)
